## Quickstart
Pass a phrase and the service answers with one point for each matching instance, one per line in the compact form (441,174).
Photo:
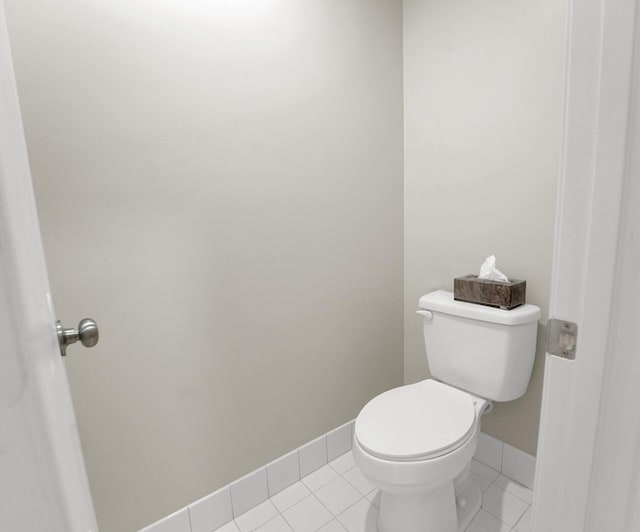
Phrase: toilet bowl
(415,442)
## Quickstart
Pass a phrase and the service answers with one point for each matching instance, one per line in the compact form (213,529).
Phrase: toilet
(415,442)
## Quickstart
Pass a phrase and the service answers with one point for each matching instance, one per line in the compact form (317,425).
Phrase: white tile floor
(337,498)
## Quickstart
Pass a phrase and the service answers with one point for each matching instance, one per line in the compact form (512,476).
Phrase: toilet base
(411,512)
(437,509)
(468,502)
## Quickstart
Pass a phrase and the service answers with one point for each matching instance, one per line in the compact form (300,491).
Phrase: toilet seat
(416,422)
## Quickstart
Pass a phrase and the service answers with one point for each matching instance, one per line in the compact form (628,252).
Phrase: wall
(220,187)
(482,100)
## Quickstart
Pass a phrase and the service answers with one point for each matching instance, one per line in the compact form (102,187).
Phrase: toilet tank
(483,350)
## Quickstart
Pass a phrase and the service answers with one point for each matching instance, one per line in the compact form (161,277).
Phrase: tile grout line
(299,466)
(509,492)
(350,484)
(335,517)
(512,528)
(326,445)
(266,474)
(311,493)
(189,517)
(340,475)
(518,521)
(233,513)
(278,513)
(282,513)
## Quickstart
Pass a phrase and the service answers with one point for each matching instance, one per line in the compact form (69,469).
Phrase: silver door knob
(87,333)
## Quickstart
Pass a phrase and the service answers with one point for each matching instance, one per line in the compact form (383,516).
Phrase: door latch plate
(562,338)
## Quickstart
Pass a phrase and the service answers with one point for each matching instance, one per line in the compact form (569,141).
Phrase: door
(43,482)
(592,283)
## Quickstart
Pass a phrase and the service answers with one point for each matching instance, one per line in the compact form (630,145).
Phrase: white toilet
(415,442)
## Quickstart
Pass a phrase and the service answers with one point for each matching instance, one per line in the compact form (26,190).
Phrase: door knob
(87,333)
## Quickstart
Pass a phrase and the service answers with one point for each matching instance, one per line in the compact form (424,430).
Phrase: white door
(587,475)
(43,483)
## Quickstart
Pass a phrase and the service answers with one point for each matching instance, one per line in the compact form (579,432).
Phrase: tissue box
(504,295)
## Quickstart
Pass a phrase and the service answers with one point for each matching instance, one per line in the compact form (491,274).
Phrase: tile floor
(337,498)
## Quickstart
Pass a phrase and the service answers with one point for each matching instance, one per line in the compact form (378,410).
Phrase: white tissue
(489,271)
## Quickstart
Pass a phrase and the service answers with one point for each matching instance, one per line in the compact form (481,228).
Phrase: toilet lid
(416,422)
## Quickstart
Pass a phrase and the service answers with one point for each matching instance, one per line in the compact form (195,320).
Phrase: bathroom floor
(337,498)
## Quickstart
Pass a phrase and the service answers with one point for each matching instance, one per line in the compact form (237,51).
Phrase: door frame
(586,288)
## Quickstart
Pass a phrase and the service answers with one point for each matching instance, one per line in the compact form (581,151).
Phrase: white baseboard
(218,508)
(227,503)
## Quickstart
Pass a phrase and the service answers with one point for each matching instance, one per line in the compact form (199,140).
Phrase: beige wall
(482,99)
(220,187)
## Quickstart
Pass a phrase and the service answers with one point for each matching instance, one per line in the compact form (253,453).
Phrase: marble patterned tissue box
(504,295)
